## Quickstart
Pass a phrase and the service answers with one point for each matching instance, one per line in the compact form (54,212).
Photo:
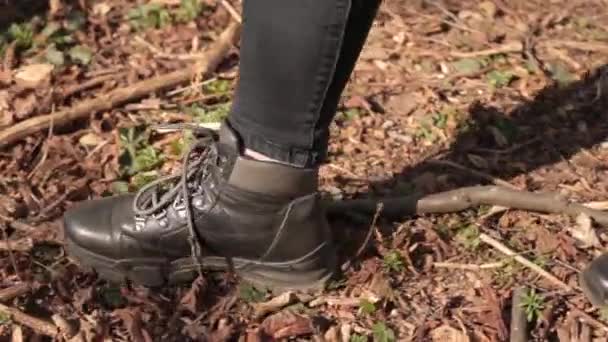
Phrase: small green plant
(541,260)
(444,231)
(188,10)
(151,15)
(604,313)
(393,261)
(54,56)
(440,120)
(112,297)
(138,158)
(499,79)
(209,114)
(532,303)
(217,87)
(250,293)
(4,318)
(357,338)
(468,236)
(141,179)
(367,307)
(507,271)
(22,35)
(81,54)
(425,132)
(382,333)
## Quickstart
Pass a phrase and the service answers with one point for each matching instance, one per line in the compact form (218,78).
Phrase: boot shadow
(557,123)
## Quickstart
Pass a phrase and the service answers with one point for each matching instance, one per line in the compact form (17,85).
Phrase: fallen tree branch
(14,291)
(38,325)
(466,198)
(208,62)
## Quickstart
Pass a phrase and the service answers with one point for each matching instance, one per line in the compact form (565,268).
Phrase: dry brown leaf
(446,333)
(55,7)
(90,139)
(65,328)
(6,116)
(102,8)
(275,304)
(224,332)
(34,75)
(131,319)
(287,324)
(254,336)
(191,300)
(21,245)
(488,8)
(584,232)
(25,106)
(332,335)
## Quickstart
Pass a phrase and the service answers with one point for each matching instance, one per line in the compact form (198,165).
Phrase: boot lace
(200,161)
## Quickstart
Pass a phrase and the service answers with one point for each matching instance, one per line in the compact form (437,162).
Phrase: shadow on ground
(17,11)
(558,123)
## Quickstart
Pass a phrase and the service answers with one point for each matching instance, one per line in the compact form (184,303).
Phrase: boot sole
(303,274)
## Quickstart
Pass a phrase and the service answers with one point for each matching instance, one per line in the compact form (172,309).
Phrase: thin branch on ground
(365,242)
(586,318)
(510,47)
(233,12)
(520,259)
(38,325)
(470,267)
(14,291)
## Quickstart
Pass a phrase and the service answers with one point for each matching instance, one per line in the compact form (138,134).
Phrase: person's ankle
(255,155)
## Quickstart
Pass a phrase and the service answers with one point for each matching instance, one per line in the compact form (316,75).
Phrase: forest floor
(446,94)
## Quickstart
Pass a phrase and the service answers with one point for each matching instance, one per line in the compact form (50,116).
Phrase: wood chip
(275,304)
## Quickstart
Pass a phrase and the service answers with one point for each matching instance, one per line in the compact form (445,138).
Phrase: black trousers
(296,58)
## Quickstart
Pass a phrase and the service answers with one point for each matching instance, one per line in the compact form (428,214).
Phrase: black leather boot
(225,210)
(594,281)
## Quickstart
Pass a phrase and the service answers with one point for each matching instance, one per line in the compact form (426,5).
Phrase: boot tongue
(229,148)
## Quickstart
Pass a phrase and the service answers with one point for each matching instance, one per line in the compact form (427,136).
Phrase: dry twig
(365,242)
(529,264)
(14,291)
(471,267)
(36,324)
(505,48)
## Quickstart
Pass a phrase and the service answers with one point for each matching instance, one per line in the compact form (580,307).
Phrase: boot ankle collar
(272,178)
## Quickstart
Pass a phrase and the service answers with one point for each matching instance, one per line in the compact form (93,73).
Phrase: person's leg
(294,67)
(263,219)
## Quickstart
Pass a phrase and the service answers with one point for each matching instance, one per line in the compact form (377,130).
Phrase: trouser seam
(317,100)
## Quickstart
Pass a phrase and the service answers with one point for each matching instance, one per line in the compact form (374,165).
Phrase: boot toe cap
(594,281)
(91,225)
